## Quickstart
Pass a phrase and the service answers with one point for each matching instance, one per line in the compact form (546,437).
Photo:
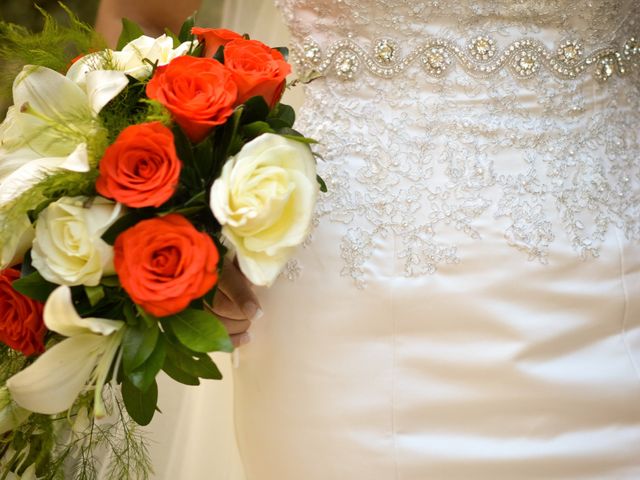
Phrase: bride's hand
(235,303)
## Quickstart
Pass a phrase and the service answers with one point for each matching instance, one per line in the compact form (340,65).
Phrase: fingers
(235,326)
(224,307)
(238,290)
(240,339)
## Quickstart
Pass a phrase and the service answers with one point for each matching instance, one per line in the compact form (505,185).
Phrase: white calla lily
(136,59)
(53,382)
(47,130)
(53,117)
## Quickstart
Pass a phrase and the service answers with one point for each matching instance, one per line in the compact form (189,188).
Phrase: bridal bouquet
(125,177)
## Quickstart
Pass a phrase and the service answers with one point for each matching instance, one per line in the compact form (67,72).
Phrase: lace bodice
(424,164)
(594,21)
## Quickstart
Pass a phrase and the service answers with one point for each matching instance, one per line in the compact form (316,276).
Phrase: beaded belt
(480,58)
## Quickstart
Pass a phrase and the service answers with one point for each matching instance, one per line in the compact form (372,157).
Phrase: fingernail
(244,339)
(252,311)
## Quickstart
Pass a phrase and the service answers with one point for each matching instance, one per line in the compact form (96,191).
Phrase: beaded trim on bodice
(523,58)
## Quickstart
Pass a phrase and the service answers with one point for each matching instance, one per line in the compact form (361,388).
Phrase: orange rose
(141,168)
(257,70)
(21,325)
(214,38)
(199,92)
(164,263)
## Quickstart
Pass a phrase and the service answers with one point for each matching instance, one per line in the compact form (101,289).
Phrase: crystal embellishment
(570,52)
(312,52)
(631,50)
(346,64)
(482,48)
(385,51)
(606,67)
(524,58)
(436,60)
(526,64)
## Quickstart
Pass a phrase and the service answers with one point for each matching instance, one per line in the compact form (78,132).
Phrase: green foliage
(138,345)
(53,47)
(94,294)
(131,107)
(323,185)
(122,440)
(141,405)
(185,365)
(60,184)
(144,376)
(70,442)
(130,31)
(185,31)
(199,331)
(34,286)
(284,51)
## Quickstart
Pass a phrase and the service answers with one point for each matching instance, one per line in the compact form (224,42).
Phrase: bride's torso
(443,122)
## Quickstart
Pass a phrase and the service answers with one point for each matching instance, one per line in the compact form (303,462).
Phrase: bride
(468,305)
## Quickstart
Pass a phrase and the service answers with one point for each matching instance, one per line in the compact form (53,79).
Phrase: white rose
(67,249)
(131,59)
(264,199)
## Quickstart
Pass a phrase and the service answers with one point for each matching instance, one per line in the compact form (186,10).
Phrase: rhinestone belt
(480,58)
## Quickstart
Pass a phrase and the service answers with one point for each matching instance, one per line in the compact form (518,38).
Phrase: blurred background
(24,12)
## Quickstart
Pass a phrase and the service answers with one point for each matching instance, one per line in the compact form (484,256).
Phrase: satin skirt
(493,368)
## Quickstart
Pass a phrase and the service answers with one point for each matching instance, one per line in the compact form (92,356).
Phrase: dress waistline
(346,58)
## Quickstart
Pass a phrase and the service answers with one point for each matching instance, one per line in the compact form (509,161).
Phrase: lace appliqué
(421,165)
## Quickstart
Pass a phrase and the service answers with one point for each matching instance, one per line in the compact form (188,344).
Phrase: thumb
(238,289)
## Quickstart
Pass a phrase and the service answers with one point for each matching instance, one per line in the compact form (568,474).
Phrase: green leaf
(34,286)
(230,138)
(284,51)
(94,294)
(143,376)
(185,31)
(286,113)
(207,368)
(129,314)
(255,109)
(179,375)
(124,223)
(199,331)
(173,36)
(148,319)
(255,129)
(282,116)
(26,268)
(292,134)
(192,363)
(138,344)
(140,405)
(130,31)
(112,281)
(204,161)
(219,55)
(323,186)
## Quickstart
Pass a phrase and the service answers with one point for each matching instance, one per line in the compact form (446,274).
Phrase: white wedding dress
(468,304)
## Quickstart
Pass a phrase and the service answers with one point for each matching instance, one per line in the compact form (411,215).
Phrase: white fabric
(469,305)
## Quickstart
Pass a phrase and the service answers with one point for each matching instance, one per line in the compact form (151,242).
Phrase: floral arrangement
(126,176)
